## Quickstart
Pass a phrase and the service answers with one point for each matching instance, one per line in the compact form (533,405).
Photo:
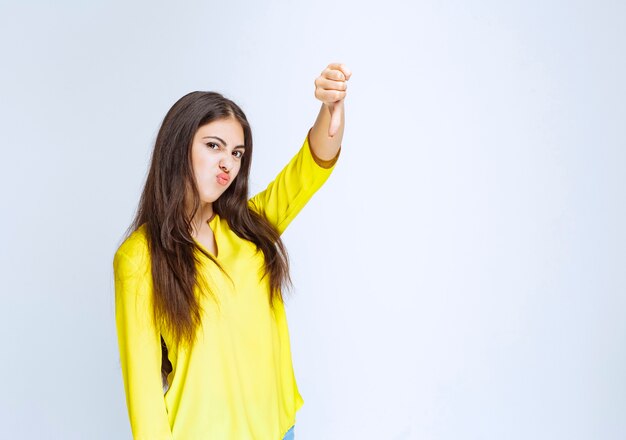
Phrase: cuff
(322,162)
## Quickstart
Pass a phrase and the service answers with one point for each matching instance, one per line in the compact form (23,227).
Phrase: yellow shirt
(237,382)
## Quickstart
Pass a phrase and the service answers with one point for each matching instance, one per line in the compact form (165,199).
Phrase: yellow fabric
(237,382)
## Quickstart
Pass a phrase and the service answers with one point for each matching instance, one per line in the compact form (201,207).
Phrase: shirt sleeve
(293,187)
(140,350)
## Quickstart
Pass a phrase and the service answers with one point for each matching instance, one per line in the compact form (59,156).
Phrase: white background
(461,275)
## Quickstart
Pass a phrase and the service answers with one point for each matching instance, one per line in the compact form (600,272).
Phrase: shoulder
(252,205)
(134,251)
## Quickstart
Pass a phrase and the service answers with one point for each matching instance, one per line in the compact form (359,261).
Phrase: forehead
(230,130)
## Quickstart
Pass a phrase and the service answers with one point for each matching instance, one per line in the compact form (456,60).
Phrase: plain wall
(461,275)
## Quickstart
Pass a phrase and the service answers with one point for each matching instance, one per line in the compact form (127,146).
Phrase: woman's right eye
(211,143)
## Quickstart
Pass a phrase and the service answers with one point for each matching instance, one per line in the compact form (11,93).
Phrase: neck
(203,215)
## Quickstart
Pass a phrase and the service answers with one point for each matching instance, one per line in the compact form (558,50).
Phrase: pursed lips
(223,178)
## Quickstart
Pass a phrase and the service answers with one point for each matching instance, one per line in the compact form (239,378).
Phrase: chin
(214,196)
(208,199)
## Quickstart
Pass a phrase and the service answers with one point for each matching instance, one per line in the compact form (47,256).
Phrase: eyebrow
(222,141)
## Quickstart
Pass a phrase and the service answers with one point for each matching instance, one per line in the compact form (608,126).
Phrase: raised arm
(293,187)
(307,171)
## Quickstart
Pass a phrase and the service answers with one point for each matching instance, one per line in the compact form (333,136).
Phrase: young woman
(202,332)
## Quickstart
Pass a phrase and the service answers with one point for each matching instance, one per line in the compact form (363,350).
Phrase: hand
(330,88)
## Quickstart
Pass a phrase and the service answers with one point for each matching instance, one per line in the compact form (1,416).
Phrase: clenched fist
(330,88)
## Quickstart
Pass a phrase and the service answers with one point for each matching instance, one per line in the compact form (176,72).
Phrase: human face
(216,153)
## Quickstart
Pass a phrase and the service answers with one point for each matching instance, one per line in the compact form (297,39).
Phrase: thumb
(335,117)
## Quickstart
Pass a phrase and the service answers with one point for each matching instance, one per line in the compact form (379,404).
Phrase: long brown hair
(163,208)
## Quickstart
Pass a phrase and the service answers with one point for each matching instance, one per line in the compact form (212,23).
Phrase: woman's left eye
(238,152)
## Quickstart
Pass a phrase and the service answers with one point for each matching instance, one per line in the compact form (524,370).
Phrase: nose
(226,163)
